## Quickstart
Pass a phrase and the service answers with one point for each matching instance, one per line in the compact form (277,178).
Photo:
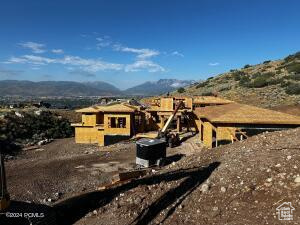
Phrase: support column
(162,121)
(179,127)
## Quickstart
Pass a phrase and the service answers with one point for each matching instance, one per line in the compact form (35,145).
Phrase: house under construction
(216,120)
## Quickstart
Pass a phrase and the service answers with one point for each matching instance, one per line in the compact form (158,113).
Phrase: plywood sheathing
(117,131)
(110,108)
(206,100)
(245,114)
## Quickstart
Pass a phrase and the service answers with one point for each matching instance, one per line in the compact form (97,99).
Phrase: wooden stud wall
(116,131)
(89,119)
(166,104)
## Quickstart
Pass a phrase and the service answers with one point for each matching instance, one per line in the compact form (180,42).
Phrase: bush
(237,75)
(224,87)
(181,90)
(293,77)
(259,82)
(32,128)
(247,66)
(293,67)
(207,93)
(276,81)
(292,57)
(267,61)
(203,84)
(244,81)
(293,89)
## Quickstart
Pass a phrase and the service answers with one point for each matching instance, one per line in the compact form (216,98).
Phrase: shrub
(207,93)
(237,75)
(293,67)
(293,77)
(247,66)
(181,90)
(285,83)
(267,61)
(224,87)
(210,78)
(256,75)
(203,84)
(292,57)
(293,89)
(275,81)
(244,81)
(29,126)
(259,82)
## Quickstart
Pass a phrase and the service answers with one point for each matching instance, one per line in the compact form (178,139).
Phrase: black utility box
(150,152)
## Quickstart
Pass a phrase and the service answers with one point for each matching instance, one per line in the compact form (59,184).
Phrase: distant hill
(157,87)
(104,87)
(56,88)
(269,84)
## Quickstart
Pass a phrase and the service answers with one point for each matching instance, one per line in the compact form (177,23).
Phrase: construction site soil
(239,183)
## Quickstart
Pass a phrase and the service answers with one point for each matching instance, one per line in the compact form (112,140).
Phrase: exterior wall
(89,119)
(117,131)
(198,127)
(100,136)
(225,133)
(189,103)
(207,134)
(86,135)
(166,104)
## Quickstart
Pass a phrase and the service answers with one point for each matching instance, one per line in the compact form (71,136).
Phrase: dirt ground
(240,183)
(61,166)
(62,169)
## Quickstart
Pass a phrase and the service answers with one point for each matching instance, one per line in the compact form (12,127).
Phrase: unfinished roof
(239,113)
(109,108)
(210,100)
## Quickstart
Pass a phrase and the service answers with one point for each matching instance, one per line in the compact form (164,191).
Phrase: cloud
(176,53)
(142,53)
(82,73)
(91,65)
(144,64)
(57,51)
(142,60)
(214,64)
(9,72)
(103,42)
(35,68)
(33,46)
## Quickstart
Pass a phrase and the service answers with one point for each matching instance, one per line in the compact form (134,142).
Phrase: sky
(128,42)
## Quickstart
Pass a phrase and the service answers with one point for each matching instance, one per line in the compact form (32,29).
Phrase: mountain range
(97,88)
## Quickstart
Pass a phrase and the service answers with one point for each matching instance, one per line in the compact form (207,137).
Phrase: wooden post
(179,128)
(162,121)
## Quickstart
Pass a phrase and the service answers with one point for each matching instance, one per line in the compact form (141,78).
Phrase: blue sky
(128,42)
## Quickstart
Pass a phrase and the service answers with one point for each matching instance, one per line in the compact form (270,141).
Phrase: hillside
(233,184)
(269,84)
(56,88)
(157,87)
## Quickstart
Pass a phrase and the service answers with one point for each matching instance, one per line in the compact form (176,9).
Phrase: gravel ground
(58,169)
(240,183)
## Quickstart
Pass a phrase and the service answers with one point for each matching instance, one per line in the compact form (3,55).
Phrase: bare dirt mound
(241,183)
